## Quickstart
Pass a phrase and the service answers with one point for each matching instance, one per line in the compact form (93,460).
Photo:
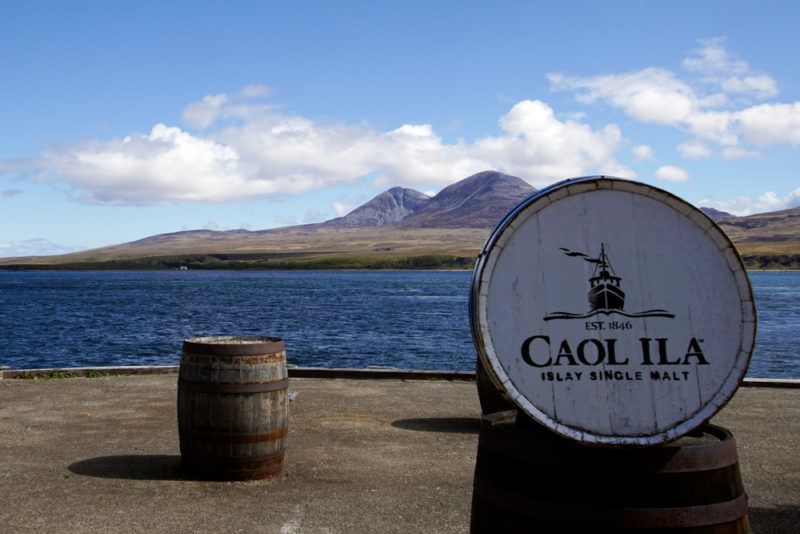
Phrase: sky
(123,120)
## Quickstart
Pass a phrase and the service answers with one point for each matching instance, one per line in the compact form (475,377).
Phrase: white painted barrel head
(612,312)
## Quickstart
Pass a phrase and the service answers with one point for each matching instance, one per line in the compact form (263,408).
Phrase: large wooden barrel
(233,408)
(612,312)
(529,479)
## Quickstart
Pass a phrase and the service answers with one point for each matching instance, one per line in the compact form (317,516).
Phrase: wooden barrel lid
(612,312)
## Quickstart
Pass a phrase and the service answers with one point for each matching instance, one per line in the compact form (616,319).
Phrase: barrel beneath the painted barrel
(233,408)
(489,395)
(528,479)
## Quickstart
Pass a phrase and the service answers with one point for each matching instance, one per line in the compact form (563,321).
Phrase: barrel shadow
(452,425)
(132,467)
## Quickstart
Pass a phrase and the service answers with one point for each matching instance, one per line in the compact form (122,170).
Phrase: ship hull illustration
(606,297)
(605,294)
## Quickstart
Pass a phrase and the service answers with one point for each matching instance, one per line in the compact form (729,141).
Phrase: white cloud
(715,103)
(343,208)
(737,152)
(210,108)
(652,95)
(746,205)
(33,247)
(713,58)
(669,173)
(760,86)
(714,126)
(167,164)
(211,225)
(643,153)
(541,148)
(733,75)
(694,149)
(768,124)
(248,149)
(255,91)
(238,146)
(203,113)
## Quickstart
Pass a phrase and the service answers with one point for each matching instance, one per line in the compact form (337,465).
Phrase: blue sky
(123,120)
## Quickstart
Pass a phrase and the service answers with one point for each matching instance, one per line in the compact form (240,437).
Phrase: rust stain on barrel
(222,437)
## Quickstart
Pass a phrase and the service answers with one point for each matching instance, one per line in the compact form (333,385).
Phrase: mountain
(716,215)
(389,207)
(479,201)
(766,240)
(774,226)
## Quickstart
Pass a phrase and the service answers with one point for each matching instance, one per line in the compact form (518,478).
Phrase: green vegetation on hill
(263,262)
(772,262)
(257,261)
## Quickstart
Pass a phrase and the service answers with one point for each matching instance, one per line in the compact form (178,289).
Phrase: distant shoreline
(68,268)
(306,262)
(211,262)
(48,268)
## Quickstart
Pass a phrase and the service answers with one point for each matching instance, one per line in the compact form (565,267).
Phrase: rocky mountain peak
(389,207)
(478,201)
(715,214)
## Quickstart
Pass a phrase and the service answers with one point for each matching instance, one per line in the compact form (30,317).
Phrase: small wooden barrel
(233,408)
(528,479)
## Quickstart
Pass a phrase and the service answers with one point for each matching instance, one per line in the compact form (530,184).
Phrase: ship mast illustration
(605,292)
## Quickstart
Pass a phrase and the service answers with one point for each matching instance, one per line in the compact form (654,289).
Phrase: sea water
(402,319)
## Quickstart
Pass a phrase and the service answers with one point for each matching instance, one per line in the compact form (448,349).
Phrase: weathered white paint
(669,256)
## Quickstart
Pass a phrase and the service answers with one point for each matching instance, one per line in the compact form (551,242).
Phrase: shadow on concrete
(778,520)
(454,425)
(132,467)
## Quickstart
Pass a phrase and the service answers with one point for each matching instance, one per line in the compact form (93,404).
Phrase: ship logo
(605,295)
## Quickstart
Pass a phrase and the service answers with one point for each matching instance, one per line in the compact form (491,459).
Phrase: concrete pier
(365,455)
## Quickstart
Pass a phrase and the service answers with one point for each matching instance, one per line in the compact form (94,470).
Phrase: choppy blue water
(404,319)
